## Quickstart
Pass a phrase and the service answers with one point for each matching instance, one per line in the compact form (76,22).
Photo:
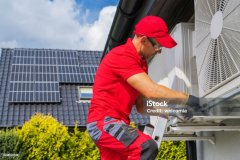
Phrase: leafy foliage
(82,147)
(44,138)
(174,150)
(9,144)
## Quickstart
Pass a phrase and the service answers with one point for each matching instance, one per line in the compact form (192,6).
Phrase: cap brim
(167,41)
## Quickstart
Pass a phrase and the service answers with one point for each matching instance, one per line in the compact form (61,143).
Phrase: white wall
(176,67)
(227,147)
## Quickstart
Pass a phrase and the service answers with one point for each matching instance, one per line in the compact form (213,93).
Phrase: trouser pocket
(122,132)
(93,131)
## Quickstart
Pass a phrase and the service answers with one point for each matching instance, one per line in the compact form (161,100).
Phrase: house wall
(226,147)
(176,67)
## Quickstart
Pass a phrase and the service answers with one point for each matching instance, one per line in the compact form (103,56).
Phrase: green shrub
(82,147)
(43,138)
(9,144)
(174,150)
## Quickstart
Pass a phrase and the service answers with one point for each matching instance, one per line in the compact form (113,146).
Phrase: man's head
(155,27)
(153,30)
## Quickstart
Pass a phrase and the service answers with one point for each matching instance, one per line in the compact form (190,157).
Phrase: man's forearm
(172,96)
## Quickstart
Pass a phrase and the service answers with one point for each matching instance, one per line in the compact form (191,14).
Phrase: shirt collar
(133,49)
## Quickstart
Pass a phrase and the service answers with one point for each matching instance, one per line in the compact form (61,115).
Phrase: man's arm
(142,109)
(149,89)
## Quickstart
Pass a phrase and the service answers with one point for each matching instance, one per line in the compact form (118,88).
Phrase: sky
(56,24)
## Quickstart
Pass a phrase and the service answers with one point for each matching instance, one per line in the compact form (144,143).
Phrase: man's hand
(194,103)
(182,113)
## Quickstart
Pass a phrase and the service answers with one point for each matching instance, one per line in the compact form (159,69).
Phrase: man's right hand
(184,113)
(194,103)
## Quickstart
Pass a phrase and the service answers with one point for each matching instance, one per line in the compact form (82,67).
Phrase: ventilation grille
(220,64)
(218,60)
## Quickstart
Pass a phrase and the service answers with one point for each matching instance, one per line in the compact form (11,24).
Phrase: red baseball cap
(155,27)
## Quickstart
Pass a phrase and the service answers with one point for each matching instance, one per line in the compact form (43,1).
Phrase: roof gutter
(122,23)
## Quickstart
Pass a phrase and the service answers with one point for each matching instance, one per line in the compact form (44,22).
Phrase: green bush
(9,144)
(82,147)
(174,150)
(43,138)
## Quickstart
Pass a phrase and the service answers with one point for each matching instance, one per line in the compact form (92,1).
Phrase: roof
(68,110)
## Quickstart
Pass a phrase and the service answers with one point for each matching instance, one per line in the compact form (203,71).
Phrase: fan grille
(218,60)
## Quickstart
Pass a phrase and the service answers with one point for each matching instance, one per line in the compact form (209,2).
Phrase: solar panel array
(37,74)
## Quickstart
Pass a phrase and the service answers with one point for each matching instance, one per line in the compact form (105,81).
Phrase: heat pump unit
(217,26)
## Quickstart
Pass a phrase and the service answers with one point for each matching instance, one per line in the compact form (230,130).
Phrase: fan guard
(217,25)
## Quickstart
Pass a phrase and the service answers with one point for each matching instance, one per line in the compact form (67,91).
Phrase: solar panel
(37,73)
(68,67)
(87,73)
(89,61)
(33,77)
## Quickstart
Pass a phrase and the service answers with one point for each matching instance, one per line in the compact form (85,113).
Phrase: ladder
(156,128)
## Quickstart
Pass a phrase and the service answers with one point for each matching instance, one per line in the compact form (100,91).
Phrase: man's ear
(143,39)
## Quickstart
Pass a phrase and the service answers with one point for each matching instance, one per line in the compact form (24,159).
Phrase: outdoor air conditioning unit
(217,26)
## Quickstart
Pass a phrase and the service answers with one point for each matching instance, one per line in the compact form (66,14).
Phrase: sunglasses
(157,47)
(152,41)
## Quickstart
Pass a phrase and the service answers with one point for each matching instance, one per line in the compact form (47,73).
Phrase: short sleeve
(126,66)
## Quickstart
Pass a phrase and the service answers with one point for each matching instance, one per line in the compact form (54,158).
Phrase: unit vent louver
(218,42)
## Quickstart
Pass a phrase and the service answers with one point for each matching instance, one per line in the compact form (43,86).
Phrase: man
(122,81)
